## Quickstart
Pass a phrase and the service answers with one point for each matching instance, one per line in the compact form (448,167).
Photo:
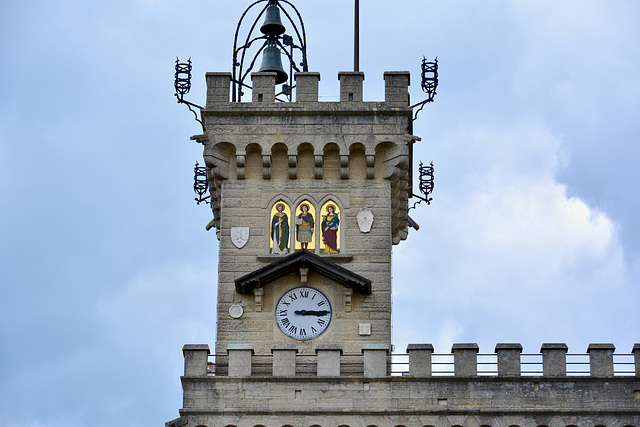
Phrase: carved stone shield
(365,220)
(239,236)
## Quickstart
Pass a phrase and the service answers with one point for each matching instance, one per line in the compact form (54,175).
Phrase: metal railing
(531,364)
(442,364)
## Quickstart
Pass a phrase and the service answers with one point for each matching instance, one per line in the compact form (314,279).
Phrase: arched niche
(305,226)
(228,152)
(384,151)
(279,161)
(331,162)
(253,165)
(306,162)
(357,162)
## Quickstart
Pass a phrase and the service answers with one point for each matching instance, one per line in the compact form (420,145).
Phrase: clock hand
(311,312)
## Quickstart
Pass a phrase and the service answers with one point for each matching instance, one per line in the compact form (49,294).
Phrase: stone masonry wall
(354,153)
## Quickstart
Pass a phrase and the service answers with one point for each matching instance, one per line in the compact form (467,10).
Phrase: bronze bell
(272,23)
(272,62)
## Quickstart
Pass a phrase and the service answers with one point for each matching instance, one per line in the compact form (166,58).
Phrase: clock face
(303,313)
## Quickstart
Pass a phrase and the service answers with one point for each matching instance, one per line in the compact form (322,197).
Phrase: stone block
(284,360)
(509,359)
(240,360)
(307,87)
(636,357)
(601,360)
(218,85)
(396,85)
(465,359)
(264,89)
(328,359)
(554,359)
(375,359)
(196,357)
(351,86)
(420,359)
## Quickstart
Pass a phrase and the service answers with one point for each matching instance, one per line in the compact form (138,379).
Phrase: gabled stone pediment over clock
(302,262)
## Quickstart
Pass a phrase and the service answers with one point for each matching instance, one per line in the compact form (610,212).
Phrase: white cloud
(513,252)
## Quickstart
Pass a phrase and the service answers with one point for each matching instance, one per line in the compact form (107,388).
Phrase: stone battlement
(375,361)
(264,84)
(244,399)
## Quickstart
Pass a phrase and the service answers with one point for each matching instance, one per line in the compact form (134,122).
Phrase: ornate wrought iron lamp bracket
(429,83)
(429,86)
(425,185)
(182,85)
(200,185)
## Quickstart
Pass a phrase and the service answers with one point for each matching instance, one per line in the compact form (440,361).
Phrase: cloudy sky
(533,234)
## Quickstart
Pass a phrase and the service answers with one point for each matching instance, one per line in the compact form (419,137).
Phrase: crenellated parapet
(418,397)
(349,140)
(375,360)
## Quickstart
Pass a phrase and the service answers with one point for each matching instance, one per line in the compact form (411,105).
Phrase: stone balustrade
(375,361)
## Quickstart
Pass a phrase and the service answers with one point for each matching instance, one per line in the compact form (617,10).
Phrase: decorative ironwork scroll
(182,85)
(425,185)
(200,185)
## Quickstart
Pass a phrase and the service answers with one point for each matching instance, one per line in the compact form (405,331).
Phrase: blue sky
(107,269)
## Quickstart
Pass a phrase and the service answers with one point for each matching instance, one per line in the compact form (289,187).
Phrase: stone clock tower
(308,199)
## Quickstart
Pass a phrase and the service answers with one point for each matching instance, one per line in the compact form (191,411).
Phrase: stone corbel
(266,167)
(371,160)
(201,138)
(293,167)
(348,292)
(257,294)
(318,163)
(344,167)
(304,274)
(240,165)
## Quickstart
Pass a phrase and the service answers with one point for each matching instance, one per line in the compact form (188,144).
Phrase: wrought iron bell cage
(246,51)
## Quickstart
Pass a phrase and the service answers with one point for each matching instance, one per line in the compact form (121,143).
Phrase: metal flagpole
(356,38)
